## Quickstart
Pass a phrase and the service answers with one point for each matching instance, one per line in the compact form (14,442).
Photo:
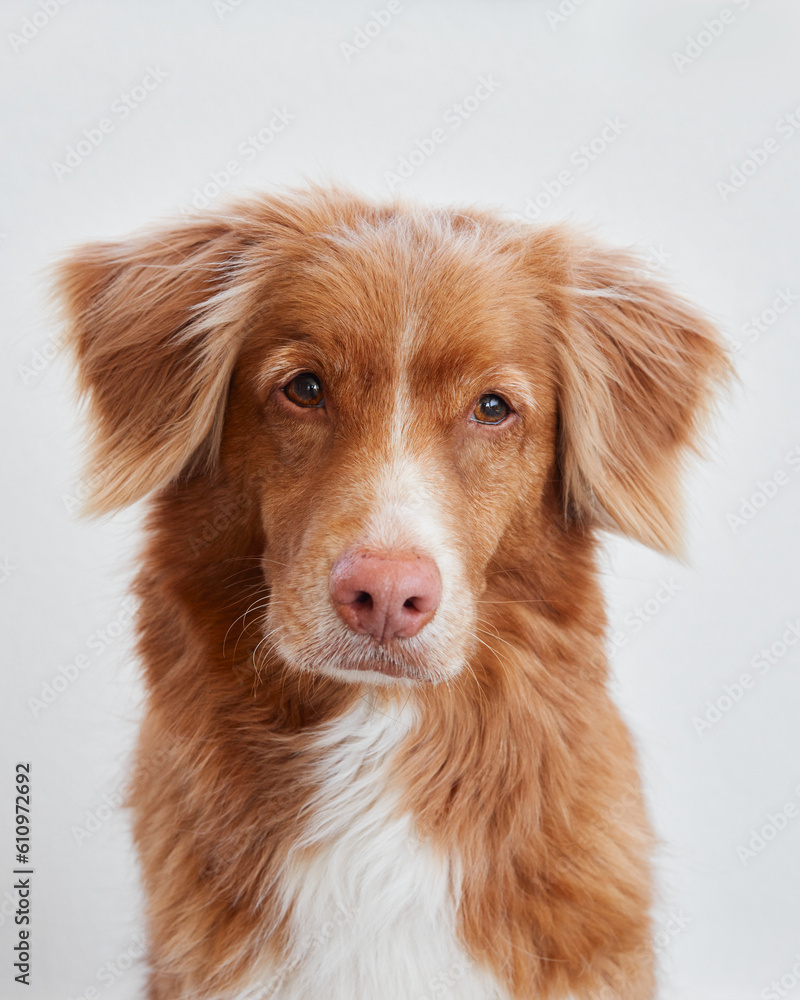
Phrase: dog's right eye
(305,390)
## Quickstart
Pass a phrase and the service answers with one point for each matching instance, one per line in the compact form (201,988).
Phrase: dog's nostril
(409,603)
(362,597)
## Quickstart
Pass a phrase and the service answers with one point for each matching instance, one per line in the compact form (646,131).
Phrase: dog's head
(417,403)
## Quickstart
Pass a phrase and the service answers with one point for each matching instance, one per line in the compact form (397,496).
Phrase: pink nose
(387,597)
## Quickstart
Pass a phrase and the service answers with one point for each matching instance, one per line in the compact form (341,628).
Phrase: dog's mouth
(324,648)
(381,661)
(362,660)
(388,667)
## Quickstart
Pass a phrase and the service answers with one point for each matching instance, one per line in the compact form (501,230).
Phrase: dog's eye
(305,390)
(490,409)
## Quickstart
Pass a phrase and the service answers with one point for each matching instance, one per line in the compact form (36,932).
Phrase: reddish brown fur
(519,762)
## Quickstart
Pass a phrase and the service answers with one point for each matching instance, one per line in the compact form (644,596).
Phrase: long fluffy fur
(513,771)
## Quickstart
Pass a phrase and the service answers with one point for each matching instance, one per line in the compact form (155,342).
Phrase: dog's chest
(372,909)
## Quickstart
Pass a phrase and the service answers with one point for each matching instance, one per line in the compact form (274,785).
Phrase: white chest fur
(373,910)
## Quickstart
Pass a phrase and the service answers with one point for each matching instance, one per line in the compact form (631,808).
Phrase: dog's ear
(154,326)
(638,368)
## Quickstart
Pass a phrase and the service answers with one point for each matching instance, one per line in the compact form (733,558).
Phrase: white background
(727,926)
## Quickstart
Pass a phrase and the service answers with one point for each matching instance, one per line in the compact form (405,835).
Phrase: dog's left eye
(491,409)
(305,390)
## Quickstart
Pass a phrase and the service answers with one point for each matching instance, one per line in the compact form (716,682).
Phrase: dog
(380,442)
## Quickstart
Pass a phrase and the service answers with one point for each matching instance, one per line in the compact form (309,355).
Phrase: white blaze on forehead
(406,490)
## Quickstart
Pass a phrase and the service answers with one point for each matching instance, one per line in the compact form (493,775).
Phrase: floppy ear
(154,326)
(638,369)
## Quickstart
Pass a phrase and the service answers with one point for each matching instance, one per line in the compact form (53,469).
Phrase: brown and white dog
(379,760)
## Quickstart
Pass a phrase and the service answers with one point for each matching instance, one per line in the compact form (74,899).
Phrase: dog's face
(400,393)
(416,403)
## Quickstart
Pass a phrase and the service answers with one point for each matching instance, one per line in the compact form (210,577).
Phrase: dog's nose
(386,596)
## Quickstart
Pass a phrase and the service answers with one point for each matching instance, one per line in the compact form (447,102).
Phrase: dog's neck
(471,762)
